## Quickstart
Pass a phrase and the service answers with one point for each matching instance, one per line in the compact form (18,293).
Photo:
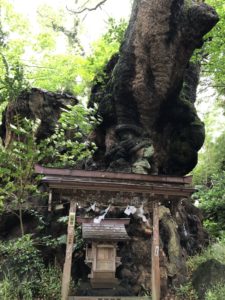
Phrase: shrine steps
(104,283)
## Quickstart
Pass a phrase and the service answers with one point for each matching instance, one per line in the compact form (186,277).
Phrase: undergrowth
(23,274)
(186,291)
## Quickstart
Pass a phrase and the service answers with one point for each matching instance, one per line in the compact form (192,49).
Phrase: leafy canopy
(214,51)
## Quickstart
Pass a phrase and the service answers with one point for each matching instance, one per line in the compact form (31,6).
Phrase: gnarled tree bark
(150,124)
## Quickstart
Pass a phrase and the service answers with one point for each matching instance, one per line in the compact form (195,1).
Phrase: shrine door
(105,259)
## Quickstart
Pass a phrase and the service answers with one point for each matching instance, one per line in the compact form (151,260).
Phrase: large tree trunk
(150,124)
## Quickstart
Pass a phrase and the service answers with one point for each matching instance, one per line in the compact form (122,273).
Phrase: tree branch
(81,10)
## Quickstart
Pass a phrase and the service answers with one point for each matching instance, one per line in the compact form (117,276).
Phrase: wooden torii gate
(118,189)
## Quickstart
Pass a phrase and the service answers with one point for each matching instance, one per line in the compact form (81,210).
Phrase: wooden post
(50,200)
(155,254)
(69,251)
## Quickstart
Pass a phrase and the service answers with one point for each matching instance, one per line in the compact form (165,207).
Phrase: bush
(20,257)
(216,293)
(50,283)
(23,273)
(48,288)
(12,288)
(211,201)
(215,251)
(186,291)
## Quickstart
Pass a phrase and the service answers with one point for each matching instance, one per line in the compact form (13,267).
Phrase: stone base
(104,283)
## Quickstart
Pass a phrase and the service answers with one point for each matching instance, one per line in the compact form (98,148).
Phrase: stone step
(105,283)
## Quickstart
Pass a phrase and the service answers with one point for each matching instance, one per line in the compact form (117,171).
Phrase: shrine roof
(107,230)
(68,179)
(100,175)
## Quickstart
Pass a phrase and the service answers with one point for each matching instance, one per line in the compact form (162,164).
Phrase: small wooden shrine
(78,187)
(101,249)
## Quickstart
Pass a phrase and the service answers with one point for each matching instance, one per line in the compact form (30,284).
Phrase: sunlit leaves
(11,21)
(44,41)
(75,73)
(12,47)
(59,72)
(70,143)
(212,202)
(214,50)
(212,156)
(64,148)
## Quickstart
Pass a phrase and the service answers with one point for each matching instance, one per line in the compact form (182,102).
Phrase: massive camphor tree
(147,97)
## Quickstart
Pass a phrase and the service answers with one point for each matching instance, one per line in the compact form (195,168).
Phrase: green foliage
(215,251)
(50,283)
(104,48)
(212,202)
(212,156)
(79,245)
(53,243)
(209,173)
(24,273)
(216,293)
(69,143)
(12,21)
(186,291)
(61,73)
(16,167)
(115,32)
(17,256)
(60,23)
(44,41)
(79,242)
(12,48)
(75,73)
(64,148)
(214,59)
(12,288)
(12,81)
